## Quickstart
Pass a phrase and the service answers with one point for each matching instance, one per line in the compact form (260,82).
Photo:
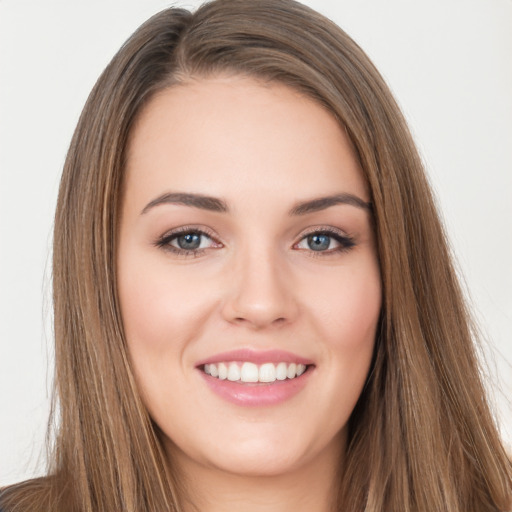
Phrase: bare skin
(245,226)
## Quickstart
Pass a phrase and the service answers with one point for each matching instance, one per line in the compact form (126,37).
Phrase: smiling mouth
(247,372)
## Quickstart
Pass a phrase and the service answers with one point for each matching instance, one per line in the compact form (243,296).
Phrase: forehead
(228,135)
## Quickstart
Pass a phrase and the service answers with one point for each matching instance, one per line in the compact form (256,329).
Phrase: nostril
(260,322)
(259,307)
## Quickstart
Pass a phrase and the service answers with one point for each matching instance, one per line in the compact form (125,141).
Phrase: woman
(254,301)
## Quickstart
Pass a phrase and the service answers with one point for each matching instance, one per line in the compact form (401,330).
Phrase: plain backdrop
(448,62)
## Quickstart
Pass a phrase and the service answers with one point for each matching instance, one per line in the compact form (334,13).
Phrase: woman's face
(248,275)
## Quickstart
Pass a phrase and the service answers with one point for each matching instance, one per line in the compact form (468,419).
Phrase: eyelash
(345,241)
(164,242)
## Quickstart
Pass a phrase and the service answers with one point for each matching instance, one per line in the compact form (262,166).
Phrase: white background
(449,62)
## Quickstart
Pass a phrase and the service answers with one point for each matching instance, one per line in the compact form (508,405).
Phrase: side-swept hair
(421,437)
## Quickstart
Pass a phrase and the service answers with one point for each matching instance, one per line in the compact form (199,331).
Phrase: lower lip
(257,394)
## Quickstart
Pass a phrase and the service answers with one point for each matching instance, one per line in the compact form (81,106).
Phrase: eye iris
(319,242)
(189,241)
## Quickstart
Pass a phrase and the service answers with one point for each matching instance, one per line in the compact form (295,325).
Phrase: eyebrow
(195,200)
(322,203)
(214,204)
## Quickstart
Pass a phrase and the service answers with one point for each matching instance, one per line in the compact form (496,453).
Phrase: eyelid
(328,230)
(323,229)
(346,241)
(164,240)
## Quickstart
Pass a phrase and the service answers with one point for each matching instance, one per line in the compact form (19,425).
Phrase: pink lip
(256,357)
(256,394)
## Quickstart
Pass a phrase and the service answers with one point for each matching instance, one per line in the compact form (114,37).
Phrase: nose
(259,293)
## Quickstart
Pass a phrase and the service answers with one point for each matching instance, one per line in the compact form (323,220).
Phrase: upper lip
(256,357)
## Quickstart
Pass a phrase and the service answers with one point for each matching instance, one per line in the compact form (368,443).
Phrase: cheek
(164,312)
(350,320)
(346,308)
(160,304)
(346,315)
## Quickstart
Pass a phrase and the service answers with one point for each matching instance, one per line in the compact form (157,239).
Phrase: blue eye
(318,242)
(186,242)
(326,241)
(194,241)
(189,241)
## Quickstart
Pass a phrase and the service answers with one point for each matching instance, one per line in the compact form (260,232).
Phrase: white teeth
(223,371)
(250,372)
(267,372)
(233,372)
(281,371)
(291,372)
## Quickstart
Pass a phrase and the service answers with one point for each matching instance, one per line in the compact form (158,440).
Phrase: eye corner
(202,239)
(342,242)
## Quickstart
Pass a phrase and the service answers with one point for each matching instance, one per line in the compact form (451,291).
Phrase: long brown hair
(421,437)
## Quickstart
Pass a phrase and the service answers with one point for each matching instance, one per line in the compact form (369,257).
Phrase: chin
(259,464)
(262,454)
